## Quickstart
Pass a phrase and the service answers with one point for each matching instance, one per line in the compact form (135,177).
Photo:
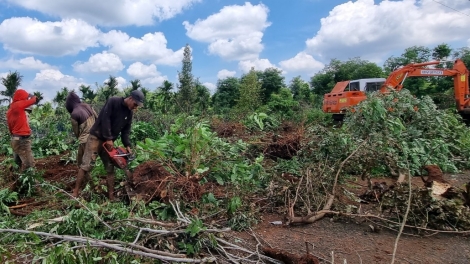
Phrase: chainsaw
(120,157)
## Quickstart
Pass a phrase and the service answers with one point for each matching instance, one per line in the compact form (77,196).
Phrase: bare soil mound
(286,142)
(151,180)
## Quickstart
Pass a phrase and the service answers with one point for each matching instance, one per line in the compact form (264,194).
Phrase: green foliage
(258,119)
(52,131)
(110,87)
(301,90)
(272,82)
(250,94)
(7,196)
(186,93)
(202,97)
(226,95)
(233,205)
(88,95)
(426,211)
(283,104)
(317,116)
(11,82)
(260,122)
(196,150)
(409,131)
(61,96)
(27,181)
(142,130)
(400,130)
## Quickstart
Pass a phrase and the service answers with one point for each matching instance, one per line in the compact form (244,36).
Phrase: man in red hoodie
(19,129)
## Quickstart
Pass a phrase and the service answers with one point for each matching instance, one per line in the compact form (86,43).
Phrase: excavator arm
(459,72)
(340,100)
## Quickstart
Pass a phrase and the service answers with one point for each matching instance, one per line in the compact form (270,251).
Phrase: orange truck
(345,95)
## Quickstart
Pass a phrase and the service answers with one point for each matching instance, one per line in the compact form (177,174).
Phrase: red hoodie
(16,116)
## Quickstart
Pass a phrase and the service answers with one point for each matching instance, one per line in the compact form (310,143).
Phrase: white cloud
(234,33)
(27,63)
(222,74)
(303,63)
(49,81)
(147,74)
(30,36)
(212,87)
(151,47)
(362,28)
(257,64)
(100,63)
(110,12)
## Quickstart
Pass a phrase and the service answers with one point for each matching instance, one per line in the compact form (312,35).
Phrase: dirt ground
(350,240)
(356,243)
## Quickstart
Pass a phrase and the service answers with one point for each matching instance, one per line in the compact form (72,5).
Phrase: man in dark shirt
(114,118)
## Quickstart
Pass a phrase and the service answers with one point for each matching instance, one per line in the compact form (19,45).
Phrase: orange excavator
(347,94)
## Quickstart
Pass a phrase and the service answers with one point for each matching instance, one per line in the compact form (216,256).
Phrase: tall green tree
(250,94)
(463,54)
(283,103)
(166,86)
(272,81)
(134,85)
(88,95)
(226,94)
(300,90)
(110,87)
(163,99)
(61,96)
(11,82)
(186,90)
(202,100)
(414,54)
(441,51)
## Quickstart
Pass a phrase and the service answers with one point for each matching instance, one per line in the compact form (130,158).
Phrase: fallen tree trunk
(103,244)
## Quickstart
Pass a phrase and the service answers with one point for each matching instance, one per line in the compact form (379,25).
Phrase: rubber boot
(78,183)
(110,182)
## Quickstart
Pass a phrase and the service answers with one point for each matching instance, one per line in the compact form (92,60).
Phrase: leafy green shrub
(401,131)
(196,150)
(7,196)
(260,121)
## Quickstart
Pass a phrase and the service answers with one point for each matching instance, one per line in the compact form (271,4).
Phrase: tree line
(265,90)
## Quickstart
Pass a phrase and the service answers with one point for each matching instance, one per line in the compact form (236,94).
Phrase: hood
(20,95)
(72,101)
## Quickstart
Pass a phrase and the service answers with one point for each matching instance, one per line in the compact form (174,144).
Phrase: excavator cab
(349,93)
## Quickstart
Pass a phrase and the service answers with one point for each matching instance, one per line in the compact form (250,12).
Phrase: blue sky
(57,43)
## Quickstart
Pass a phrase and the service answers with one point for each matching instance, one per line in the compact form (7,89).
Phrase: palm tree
(110,87)
(88,95)
(135,84)
(39,97)
(11,82)
(61,96)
